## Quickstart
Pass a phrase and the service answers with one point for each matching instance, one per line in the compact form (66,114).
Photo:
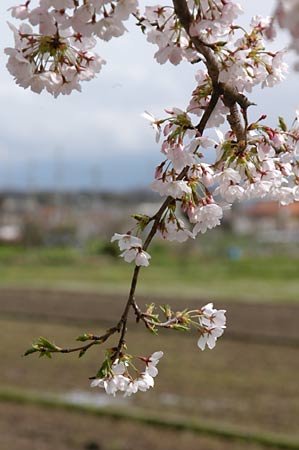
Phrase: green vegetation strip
(138,416)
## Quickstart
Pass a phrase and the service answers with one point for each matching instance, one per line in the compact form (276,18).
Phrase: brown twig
(167,324)
(208,112)
(95,340)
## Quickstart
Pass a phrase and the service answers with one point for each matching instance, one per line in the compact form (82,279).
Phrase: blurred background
(73,170)
(61,277)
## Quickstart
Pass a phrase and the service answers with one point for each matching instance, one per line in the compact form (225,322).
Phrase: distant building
(10,234)
(268,220)
(67,218)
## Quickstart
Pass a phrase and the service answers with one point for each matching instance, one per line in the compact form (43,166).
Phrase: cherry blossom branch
(45,347)
(264,165)
(94,340)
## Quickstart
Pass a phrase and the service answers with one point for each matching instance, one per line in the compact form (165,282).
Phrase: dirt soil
(34,428)
(249,381)
(244,320)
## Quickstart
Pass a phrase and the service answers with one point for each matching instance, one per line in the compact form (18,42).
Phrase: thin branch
(208,112)
(167,324)
(124,317)
(94,341)
(235,122)
(74,349)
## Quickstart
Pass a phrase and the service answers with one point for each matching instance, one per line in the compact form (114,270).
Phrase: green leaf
(221,43)
(154,317)
(180,327)
(30,351)
(45,353)
(103,370)
(82,352)
(153,330)
(43,342)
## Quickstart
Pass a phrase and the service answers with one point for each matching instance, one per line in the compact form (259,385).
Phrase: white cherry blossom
(136,254)
(59,52)
(151,363)
(175,189)
(209,338)
(154,123)
(126,241)
(206,217)
(179,155)
(120,380)
(175,230)
(212,323)
(212,317)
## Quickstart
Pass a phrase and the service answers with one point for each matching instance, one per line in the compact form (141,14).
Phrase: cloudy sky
(98,138)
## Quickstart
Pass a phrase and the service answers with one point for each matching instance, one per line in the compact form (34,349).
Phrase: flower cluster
(132,247)
(263,164)
(182,147)
(115,375)
(243,59)
(212,324)
(53,47)
(208,321)
(248,63)
(163,28)
(117,378)
(267,167)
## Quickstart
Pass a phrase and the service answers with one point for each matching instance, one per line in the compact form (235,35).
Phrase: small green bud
(142,220)
(85,337)
(282,123)
(167,311)
(150,309)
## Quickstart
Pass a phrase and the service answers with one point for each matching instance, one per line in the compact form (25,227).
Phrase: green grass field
(255,276)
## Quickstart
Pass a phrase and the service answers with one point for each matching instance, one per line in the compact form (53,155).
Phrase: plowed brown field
(249,381)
